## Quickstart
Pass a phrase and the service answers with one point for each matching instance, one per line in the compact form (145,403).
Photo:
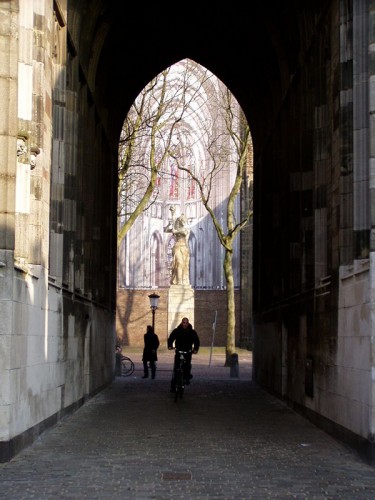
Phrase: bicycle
(124,365)
(179,375)
(127,366)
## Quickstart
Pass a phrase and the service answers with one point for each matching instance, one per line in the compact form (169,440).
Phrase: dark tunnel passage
(302,73)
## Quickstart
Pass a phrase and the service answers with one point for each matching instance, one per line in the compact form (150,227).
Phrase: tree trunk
(231,325)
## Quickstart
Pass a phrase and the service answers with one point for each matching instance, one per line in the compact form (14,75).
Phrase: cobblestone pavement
(226,439)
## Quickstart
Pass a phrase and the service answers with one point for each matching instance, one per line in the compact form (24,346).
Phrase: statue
(181,255)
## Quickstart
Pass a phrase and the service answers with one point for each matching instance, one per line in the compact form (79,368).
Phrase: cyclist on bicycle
(184,338)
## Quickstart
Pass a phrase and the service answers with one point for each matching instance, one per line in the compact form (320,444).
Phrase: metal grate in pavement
(176,476)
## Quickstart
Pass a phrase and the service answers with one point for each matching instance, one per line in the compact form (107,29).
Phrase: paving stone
(225,439)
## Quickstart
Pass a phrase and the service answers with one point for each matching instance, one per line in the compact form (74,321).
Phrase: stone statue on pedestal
(181,255)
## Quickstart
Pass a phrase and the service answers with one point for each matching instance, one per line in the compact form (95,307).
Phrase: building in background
(145,254)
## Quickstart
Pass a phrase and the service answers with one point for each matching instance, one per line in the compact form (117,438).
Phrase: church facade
(146,254)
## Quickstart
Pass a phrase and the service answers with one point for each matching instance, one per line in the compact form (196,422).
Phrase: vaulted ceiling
(254,47)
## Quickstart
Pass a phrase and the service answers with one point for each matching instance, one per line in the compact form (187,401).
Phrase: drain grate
(176,476)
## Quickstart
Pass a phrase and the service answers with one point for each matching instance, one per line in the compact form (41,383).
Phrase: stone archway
(301,72)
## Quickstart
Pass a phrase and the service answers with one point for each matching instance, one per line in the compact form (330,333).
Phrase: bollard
(234,367)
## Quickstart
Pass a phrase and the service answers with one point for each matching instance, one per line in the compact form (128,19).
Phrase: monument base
(180,305)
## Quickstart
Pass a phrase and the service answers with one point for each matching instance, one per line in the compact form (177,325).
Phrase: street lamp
(154,301)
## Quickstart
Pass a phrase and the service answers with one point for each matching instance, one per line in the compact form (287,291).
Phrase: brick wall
(134,314)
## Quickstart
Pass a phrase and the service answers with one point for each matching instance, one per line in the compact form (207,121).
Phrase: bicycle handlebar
(193,351)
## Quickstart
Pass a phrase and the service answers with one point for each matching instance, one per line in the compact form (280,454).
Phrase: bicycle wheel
(179,386)
(127,366)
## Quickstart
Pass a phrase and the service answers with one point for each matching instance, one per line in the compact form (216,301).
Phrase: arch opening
(192,150)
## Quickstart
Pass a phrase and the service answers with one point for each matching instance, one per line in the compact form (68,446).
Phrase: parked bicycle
(124,365)
(127,366)
(179,374)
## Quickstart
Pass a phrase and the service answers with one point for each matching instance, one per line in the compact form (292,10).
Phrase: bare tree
(147,139)
(229,146)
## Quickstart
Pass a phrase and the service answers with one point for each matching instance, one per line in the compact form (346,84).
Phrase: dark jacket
(151,346)
(184,339)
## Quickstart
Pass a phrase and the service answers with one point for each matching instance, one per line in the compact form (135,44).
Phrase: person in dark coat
(118,360)
(184,338)
(151,344)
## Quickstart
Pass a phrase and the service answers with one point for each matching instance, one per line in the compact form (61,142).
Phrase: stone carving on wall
(34,152)
(23,154)
(21,149)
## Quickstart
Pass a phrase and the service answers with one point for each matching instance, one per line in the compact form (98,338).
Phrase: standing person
(118,360)
(184,338)
(151,344)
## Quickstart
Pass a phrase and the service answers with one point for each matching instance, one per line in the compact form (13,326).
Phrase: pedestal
(180,305)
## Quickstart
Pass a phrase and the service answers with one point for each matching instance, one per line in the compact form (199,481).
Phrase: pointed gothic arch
(156,259)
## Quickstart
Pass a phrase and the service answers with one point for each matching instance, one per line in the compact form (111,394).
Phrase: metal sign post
(213,337)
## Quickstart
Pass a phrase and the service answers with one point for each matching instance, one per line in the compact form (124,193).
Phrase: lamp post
(154,301)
